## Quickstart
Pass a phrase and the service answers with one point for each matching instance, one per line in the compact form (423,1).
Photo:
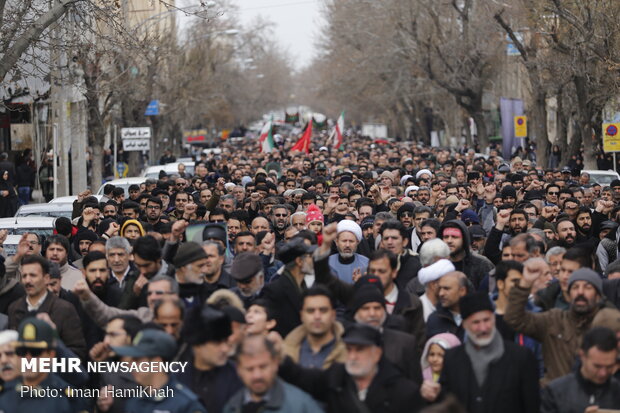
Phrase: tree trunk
(481,129)
(586,112)
(574,146)
(561,138)
(469,140)
(589,146)
(538,125)
(97,161)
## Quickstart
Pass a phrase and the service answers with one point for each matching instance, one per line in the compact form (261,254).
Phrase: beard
(482,341)
(346,255)
(456,252)
(359,369)
(98,287)
(581,305)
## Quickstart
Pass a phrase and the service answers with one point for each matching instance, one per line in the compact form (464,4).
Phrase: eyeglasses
(153,207)
(34,352)
(552,193)
(406,215)
(280,215)
(180,184)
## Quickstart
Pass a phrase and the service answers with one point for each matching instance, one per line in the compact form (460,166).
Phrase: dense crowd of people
(379,278)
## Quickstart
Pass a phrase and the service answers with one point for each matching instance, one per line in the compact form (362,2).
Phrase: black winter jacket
(572,394)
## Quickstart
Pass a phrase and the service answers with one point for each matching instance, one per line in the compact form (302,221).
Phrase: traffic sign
(520,126)
(152,109)
(136,133)
(137,144)
(611,137)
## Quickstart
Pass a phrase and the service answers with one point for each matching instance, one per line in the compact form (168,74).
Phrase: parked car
(603,178)
(21,225)
(123,183)
(55,209)
(152,172)
(69,199)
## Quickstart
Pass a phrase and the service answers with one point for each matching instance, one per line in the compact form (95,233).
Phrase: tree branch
(11,57)
(520,47)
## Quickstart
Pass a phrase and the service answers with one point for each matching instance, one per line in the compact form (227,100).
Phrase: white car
(603,178)
(123,183)
(55,209)
(152,172)
(21,225)
(69,199)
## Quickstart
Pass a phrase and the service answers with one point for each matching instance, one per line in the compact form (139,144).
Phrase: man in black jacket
(487,374)
(365,383)
(447,318)
(284,294)
(456,235)
(395,239)
(592,386)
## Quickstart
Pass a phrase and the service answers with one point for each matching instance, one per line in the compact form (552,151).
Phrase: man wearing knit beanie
(559,331)
(348,262)
(486,358)
(368,308)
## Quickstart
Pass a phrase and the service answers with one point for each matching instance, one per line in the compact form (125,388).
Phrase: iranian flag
(266,138)
(335,138)
(303,144)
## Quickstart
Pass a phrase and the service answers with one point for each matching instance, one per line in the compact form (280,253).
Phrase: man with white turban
(435,253)
(347,261)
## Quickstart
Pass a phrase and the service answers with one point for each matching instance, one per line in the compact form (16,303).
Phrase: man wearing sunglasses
(36,339)
(551,194)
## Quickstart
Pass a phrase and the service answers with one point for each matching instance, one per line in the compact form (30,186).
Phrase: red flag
(303,144)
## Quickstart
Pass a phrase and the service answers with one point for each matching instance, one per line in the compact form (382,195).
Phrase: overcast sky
(296,22)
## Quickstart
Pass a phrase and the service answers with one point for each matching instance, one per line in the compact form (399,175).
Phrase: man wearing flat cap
(247,271)
(190,262)
(365,382)
(151,345)
(559,331)
(284,294)
(37,339)
(209,373)
(486,373)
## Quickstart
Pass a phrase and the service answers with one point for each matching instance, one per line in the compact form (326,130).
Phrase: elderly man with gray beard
(366,382)
(487,374)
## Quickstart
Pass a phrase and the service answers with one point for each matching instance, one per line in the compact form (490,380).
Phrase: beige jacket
(292,345)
